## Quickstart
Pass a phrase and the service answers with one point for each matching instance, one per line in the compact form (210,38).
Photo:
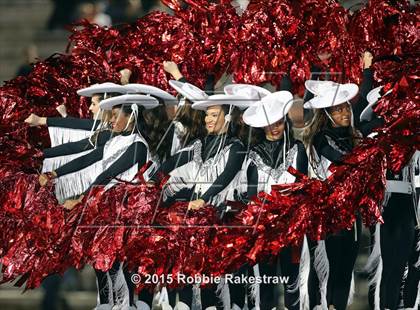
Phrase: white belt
(398,187)
(417,180)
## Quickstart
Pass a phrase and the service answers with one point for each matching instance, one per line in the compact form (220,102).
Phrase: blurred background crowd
(34,29)
(101,12)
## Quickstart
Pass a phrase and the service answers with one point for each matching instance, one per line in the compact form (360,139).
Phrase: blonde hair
(106,116)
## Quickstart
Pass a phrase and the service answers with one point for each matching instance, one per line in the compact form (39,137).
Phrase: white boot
(103,307)
(161,300)
(165,306)
(236,307)
(141,305)
(181,306)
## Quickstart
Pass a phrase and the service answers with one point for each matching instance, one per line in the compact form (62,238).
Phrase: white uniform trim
(74,184)
(59,135)
(268,176)
(53,163)
(201,175)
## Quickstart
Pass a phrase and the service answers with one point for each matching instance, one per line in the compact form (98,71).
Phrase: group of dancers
(231,146)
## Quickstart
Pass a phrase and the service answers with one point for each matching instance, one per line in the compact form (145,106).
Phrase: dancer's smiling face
(215,120)
(274,131)
(341,114)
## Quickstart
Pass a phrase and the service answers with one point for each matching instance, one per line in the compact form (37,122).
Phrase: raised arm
(365,88)
(172,68)
(315,74)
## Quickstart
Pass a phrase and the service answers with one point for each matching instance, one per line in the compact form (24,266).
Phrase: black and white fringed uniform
(208,169)
(70,129)
(394,261)
(334,257)
(332,260)
(72,138)
(411,284)
(267,165)
(119,158)
(74,145)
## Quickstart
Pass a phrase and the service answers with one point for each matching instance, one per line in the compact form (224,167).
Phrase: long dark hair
(156,122)
(193,122)
(152,124)
(236,128)
(320,122)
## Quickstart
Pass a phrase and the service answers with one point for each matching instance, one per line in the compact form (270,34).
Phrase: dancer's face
(341,114)
(215,120)
(119,120)
(94,105)
(274,131)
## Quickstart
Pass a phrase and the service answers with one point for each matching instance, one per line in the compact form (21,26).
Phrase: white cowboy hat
(151,90)
(188,91)
(333,97)
(102,88)
(269,110)
(318,87)
(146,101)
(372,97)
(246,90)
(221,99)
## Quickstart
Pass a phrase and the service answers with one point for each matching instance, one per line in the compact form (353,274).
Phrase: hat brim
(216,100)
(101,89)
(366,114)
(331,99)
(230,89)
(151,90)
(178,86)
(374,95)
(316,87)
(266,112)
(146,101)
